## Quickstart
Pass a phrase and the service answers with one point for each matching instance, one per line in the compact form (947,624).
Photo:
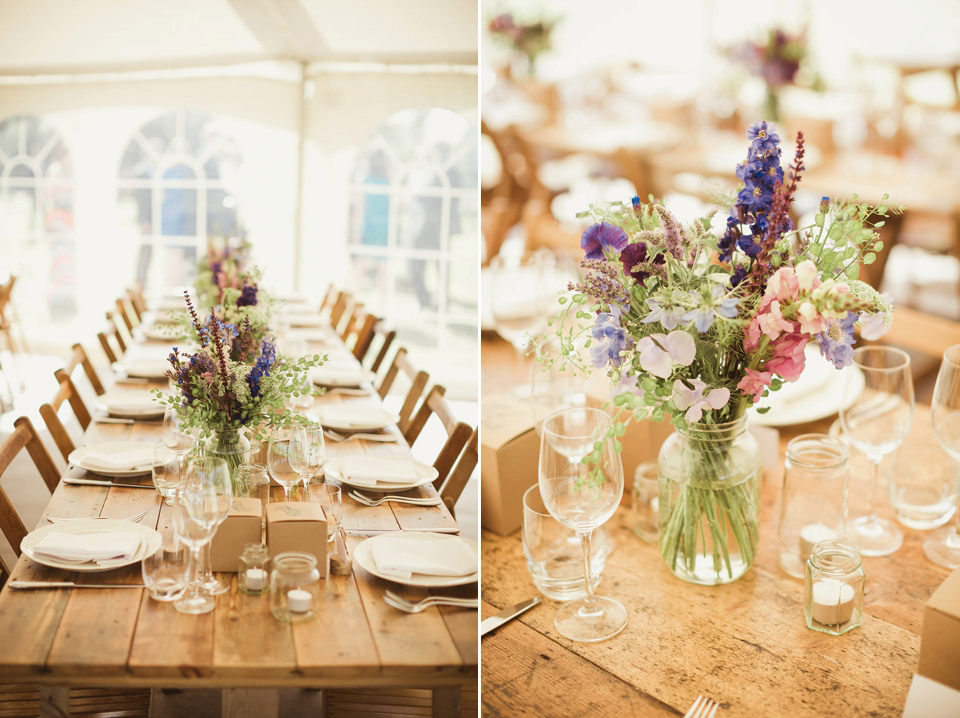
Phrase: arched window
(36,219)
(414,233)
(176,187)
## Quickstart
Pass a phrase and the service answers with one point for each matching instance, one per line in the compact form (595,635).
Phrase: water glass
(330,499)
(553,553)
(923,493)
(166,571)
(646,501)
(166,472)
(282,462)
(256,485)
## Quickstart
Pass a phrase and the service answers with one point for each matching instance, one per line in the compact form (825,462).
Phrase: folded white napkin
(371,470)
(402,557)
(119,460)
(88,547)
(131,401)
(351,415)
(147,368)
(338,376)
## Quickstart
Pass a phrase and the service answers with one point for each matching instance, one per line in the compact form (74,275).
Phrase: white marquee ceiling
(71,36)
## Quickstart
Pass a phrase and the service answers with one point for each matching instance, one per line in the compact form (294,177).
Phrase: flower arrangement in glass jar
(224,266)
(697,328)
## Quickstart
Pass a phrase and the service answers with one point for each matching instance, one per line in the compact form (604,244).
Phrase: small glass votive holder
(646,501)
(833,593)
(252,576)
(553,553)
(294,587)
(166,571)
(256,484)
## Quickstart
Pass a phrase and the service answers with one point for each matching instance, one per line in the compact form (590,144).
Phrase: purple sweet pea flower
(659,352)
(694,401)
(598,237)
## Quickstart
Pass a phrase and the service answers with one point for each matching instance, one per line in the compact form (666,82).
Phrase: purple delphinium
(268,355)
(836,343)
(248,296)
(598,237)
(609,339)
(760,174)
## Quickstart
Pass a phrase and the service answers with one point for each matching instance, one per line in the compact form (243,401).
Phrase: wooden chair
(458,432)
(360,335)
(24,436)
(127,314)
(345,326)
(139,304)
(9,318)
(118,333)
(338,309)
(330,297)
(462,471)
(418,382)
(79,357)
(49,413)
(111,331)
(383,334)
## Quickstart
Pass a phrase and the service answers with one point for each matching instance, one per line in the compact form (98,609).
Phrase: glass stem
(195,588)
(874,477)
(206,574)
(590,602)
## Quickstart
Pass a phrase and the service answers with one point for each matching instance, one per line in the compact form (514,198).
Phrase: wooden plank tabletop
(745,644)
(123,637)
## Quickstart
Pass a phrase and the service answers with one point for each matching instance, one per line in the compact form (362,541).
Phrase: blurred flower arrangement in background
(777,61)
(224,266)
(529,40)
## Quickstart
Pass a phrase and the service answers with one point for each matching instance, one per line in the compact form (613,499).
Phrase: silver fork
(402,604)
(330,434)
(367,501)
(133,519)
(702,708)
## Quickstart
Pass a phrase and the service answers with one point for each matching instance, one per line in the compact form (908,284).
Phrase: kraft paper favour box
(298,526)
(940,639)
(241,527)
(509,455)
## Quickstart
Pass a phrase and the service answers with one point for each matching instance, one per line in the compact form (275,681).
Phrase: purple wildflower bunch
(529,39)
(216,394)
(776,60)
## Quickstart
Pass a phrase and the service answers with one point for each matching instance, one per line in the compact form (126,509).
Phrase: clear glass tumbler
(553,552)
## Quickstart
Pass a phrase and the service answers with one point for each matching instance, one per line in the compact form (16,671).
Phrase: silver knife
(95,482)
(70,584)
(497,620)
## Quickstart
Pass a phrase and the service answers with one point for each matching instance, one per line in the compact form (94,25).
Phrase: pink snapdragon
(788,355)
(755,382)
(694,401)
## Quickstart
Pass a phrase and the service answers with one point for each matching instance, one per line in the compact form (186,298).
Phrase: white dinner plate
(111,447)
(345,381)
(328,417)
(304,319)
(426,473)
(148,544)
(144,368)
(163,333)
(817,394)
(130,404)
(364,558)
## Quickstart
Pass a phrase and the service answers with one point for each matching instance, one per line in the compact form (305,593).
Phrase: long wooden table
(745,644)
(65,637)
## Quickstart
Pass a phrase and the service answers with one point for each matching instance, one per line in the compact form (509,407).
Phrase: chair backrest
(23,436)
(66,392)
(78,357)
(330,297)
(139,304)
(117,333)
(4,572)
(462,471)
(126,314)
(458,432)
(418,383)
(111,331)
(362,332)
(339,307)
(352,315)
(386,335)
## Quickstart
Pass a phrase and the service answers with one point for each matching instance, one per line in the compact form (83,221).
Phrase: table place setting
(90,545)
(130,404)
(353,417)
(425,559)
(118,459)
(377,473)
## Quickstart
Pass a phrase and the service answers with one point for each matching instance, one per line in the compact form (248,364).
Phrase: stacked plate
(376,473)
(420,558)
(117,459)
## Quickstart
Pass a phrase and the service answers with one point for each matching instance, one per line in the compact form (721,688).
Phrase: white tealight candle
(256,579)
(811,535)
(299,601)
(832,602)
(655,505)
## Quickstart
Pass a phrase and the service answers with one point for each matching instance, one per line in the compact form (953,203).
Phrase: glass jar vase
(833,596)
(813,502)
(710,479)
(233,446)
(294,587)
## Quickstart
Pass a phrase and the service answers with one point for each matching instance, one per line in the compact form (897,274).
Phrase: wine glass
(581,482)
(213,475)
(281,460)
(943,546)
(308,451)
(196,515)
(877,415)
(555,388)
(165,472)
(177,437)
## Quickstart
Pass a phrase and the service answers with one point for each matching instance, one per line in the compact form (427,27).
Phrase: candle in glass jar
(832,602)
(811,535)
(256,579)
(299,601)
